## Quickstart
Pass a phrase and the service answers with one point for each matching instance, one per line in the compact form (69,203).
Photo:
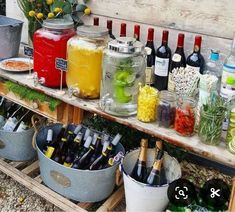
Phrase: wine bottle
(48,143)
(109,164)
(76,162)
(98,151)
(60,151)
(140,170)
(162,62)
(137,32)
(61,133)
(178,60)
(149,72)
(110,28)
(102,159)
(114,143)
(96,21)
(24,119)
(123,30)
(155,177)
(85,158)
(196,60)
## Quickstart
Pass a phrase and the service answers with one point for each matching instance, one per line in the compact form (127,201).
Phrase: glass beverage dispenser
(124,64)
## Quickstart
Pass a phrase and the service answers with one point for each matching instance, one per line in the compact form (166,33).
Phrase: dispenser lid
(92,31)
(58,24)
(127,45)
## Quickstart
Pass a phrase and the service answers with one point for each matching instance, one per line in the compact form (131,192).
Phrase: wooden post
(232,198)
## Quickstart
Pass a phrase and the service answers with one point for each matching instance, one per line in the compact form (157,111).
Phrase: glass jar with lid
(50,42)
(85,53)
(166,109)
(185,116)
(124,66)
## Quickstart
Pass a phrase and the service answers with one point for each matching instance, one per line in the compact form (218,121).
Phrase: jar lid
(92,31)
(57,24)
(126,45)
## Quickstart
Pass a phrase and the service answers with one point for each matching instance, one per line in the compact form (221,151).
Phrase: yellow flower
(49,2)
(31,13)
(87,11)
(58,10)
(39,15)
(51,15)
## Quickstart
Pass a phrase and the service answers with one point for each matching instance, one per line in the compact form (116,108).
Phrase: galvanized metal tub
(10,36)
(17,146)
(79,185)
(141,197)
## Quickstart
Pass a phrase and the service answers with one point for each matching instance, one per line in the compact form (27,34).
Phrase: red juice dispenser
(50,42)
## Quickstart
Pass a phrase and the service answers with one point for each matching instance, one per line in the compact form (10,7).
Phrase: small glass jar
(85,53)
(210,128)
(50,42)
(185,116)
(147,104)
(166,109)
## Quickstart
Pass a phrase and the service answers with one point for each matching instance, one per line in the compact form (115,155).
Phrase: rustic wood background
(214,19)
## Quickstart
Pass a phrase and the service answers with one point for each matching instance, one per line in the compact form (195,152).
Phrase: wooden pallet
(27,174)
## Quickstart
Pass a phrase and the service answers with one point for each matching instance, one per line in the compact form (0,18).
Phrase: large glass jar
(123,70)
(185,116)
(50,42)
(166,109)
(85,53)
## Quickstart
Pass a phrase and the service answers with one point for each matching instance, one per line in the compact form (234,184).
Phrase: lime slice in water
(232,132)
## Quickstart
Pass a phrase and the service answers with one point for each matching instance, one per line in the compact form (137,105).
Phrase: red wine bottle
(178,60)
(110,28)
(137,32)
(150,57)
(162,62)
(196,60)
(96,21)
(123,30)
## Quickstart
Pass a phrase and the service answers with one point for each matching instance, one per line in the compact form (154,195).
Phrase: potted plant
(38,10)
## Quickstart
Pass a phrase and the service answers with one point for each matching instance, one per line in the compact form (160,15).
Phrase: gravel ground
(15,197)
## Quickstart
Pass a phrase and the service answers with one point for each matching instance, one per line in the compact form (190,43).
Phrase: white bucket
(141,197)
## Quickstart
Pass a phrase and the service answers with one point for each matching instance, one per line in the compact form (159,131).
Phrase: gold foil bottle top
(158,145)
(144,143)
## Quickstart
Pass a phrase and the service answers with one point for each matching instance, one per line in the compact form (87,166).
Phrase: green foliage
(31,95)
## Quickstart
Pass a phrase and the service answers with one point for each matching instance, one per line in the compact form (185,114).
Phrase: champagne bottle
(85,148)
(60,151)
(102,159)
(140,170)
(155,177)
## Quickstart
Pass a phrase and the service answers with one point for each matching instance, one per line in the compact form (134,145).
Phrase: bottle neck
(137,32)
(165,38)
(110,26)
(143,154)
(157,165)
(96,21)
(150,37)
(123,30)
(180,43)
(197,44)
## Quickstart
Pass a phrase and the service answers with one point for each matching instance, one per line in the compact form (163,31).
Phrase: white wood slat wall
(214,19)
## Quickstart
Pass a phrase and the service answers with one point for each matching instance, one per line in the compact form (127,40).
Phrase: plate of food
(18,64)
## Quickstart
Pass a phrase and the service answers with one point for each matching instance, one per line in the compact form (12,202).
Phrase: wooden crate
(64,112)
(27,174)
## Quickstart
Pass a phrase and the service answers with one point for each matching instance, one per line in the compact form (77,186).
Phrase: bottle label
(194,68)
(161,66)
(171,83)
(49,151)
(176,58)
(149,75)
(228,82)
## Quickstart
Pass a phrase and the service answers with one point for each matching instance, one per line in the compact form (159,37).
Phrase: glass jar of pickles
(185,116)
(123,69)
(147,104)
(166,109)
(85,53)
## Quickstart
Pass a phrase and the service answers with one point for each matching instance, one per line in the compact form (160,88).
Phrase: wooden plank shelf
(215,153)
(23,176)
